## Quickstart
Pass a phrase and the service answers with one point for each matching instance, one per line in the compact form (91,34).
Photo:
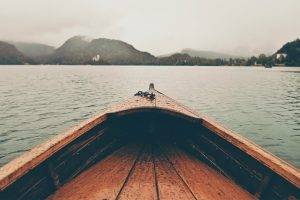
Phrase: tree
(262,59)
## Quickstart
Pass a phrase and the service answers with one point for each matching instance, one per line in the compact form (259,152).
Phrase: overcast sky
(157,26)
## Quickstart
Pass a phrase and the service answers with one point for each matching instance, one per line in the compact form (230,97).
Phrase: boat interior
(150,165)
(150,154)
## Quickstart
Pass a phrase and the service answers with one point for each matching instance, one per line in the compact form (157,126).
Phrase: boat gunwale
(281,167)
(271,161)
(19,166)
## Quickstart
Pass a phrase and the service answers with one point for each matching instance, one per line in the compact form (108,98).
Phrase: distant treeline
(79,51)
(185,59)
(288,55)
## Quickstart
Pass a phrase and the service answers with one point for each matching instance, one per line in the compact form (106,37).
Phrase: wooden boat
(150,147)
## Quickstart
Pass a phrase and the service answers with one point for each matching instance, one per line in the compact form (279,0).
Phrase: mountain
(33,50)
(10,55)
(207,54)
(175,59)
(202,54)
(185,59)
(292,51)
(81,50)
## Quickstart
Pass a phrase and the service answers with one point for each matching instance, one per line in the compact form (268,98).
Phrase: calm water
(38,102)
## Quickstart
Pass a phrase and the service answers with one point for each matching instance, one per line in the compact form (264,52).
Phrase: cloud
(234,26)
(53,21)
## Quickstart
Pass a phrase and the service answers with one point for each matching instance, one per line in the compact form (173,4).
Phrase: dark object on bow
(148,95)
(168,146)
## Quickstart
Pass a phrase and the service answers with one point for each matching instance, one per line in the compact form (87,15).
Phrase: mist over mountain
(10,55)
(33,50)
(207,54)
(203,54)
(80,50)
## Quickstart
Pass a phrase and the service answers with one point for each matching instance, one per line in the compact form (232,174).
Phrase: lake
(39,102)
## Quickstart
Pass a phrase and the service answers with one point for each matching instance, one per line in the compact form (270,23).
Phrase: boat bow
(47,167)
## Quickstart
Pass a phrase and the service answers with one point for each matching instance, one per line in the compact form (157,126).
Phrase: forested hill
(33,50)
(81,50)
(207,54)
(292,51)
(9,55)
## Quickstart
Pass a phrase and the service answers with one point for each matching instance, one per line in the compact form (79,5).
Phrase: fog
(240,27)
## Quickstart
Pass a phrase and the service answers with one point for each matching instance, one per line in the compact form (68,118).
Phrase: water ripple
(37,103)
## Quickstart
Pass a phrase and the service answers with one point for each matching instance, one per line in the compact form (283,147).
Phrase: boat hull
(241,165)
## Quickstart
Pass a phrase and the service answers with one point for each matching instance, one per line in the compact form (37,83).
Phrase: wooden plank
(77,161)
(191,147)
(36,157)
(72,169)
(82,142)
(103,180)
(18,167)
(141,183)
(170,184)
(242,174)
(167,103)
(205,182)
(274,163)
(54,176)
(279,188)
(257,169)
(37,182)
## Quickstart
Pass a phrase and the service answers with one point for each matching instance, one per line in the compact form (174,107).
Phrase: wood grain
(102,181)
(46,167)
(170,184)
(141,183)
(205,182)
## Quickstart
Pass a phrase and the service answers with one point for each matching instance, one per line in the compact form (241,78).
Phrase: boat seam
(166,157)
(130,172)
(155,175)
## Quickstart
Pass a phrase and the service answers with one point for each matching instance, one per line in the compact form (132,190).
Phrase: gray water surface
(38,102)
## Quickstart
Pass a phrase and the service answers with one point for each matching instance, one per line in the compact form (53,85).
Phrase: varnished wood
(170,183)
(50,166)
(276,164)
(205,182)
(141,183)
(102,181)
(179,176)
